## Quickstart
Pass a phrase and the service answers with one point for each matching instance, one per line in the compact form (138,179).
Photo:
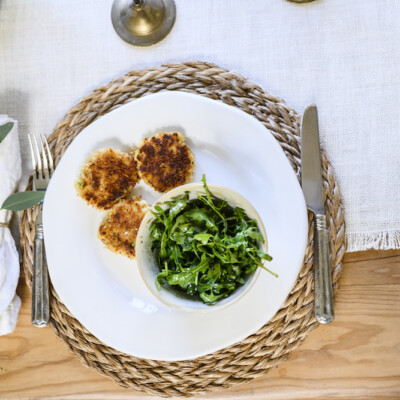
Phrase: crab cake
(165,161)
(107,176)
(119,229)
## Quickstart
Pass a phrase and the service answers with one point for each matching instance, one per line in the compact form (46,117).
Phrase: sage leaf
(23,200)
(5,130)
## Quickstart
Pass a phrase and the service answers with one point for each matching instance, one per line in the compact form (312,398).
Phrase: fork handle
(40,286)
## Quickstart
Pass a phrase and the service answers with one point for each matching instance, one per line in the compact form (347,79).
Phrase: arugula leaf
(203,237)
(204,247)
(198,215)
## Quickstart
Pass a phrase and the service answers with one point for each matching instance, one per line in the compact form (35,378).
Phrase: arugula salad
(205,247)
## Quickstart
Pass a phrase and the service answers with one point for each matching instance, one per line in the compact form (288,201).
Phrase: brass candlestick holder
(143,22)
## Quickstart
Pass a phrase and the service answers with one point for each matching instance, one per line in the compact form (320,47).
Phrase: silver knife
(311,181)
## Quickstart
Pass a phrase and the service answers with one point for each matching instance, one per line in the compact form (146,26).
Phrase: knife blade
(311,180)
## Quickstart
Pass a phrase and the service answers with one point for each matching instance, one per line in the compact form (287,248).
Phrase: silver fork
(43,168)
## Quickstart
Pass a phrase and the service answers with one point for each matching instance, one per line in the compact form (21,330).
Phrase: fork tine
(46,171)
(32,154)
(39,161)
(49,156)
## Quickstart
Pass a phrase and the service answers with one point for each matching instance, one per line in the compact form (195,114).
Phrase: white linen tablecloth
(342,55)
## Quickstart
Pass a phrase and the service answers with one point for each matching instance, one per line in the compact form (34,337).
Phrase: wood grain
(357,356)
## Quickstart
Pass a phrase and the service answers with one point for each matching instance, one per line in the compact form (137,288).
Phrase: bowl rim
(193,187)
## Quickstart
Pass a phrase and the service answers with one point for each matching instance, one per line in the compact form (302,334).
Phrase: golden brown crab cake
(107,176)
(165,161)
(119,228)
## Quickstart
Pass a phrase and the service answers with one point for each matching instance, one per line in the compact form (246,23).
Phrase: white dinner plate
(105,291)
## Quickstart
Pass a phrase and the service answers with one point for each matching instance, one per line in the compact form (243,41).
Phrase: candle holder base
(143,22)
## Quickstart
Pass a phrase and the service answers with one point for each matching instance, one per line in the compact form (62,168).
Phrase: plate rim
(250,118)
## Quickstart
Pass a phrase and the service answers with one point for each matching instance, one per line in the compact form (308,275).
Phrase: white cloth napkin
(10,167)
(339,54)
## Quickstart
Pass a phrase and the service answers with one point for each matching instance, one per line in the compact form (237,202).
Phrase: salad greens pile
(205,247)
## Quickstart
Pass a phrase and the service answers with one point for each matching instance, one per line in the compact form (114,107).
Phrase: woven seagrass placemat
(277,339)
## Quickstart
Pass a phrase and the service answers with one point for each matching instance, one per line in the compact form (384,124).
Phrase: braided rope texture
(277,339)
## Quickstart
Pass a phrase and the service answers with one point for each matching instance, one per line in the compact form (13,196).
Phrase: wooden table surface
(355,357)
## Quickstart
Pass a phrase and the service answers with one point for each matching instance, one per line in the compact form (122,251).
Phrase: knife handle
(324,310)
(40,284)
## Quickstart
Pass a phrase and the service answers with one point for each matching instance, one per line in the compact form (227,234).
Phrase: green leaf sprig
(23,200)
(5,130)
(205,248)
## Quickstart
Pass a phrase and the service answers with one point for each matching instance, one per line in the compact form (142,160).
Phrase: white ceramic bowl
(147,262)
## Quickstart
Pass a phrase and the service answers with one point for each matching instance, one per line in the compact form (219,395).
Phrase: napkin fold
(10,167)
